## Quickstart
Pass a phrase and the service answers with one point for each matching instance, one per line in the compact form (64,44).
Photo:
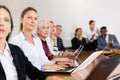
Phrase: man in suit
(107,41)
(59,39)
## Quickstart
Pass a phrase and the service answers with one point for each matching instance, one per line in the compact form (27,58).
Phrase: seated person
(52,42)
(59,39)
(107,41)
(52,39)
(78,39)
(43,31)
(92,33)
(14,65)
(30,43)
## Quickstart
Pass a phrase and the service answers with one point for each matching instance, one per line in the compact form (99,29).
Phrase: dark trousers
(91,45)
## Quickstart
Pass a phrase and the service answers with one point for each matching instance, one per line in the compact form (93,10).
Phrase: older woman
(13,63)
(43,31)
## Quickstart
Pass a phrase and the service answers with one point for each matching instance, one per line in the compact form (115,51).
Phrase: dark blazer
(102,44)
(23,66)
(60,44)
(76,42)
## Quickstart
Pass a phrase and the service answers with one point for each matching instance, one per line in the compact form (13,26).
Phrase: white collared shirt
(34,52)
(53,49)
(6,60)
(89,34)
(107,38)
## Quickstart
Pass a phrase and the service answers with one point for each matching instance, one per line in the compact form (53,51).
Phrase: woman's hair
(23,14)
(77,29)
(4,7)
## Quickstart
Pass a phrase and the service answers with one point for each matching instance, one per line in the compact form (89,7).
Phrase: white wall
(70,14)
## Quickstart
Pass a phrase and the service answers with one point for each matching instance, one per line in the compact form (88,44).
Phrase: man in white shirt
(92,33)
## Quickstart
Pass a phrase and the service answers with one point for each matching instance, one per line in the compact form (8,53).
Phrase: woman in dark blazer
(78,39)
(19,66)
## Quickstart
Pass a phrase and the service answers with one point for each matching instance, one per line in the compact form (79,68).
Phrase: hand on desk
(112,51)
(115,51)
(60,59)
(66,64)
(69,54)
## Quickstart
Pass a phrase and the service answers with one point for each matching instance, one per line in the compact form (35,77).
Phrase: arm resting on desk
(112,51)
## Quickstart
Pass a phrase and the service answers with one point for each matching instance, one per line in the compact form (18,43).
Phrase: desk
(80,59)
(65,76)
(84,55)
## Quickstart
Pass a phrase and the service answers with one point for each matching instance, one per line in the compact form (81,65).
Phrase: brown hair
(76,30)
(51,21)
(91,21)
(23,14)
(58,25)
(4,7)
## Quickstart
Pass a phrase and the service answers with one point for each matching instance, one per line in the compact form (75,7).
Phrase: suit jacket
(76,42)
(102,44)
(23,66)
(60,44)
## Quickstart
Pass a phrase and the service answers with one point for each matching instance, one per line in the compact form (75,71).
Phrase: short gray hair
(42,23)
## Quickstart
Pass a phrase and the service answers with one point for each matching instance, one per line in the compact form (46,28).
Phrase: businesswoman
(30,43)
(43,30)
(13,63)
(43,33)
(78,39)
